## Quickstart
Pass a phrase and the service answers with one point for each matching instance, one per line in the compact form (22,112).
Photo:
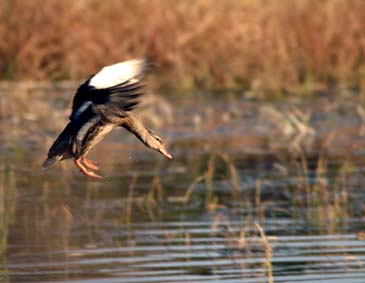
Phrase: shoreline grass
(265,47)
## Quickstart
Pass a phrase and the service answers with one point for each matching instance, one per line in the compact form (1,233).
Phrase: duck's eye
(158,139)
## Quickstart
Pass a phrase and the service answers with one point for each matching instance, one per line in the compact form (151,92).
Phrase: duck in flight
(102,103)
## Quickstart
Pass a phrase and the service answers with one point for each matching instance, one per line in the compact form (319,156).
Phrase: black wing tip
(130,106)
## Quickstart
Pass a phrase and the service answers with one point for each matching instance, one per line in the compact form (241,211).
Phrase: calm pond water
(256,192)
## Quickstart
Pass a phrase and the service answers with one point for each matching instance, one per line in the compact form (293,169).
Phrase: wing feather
(116,87)
(87,116)
(112,75)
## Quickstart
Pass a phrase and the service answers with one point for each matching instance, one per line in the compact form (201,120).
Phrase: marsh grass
(268,252)
(7,209)
(268,48)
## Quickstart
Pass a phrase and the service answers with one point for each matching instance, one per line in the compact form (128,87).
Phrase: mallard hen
(102,103)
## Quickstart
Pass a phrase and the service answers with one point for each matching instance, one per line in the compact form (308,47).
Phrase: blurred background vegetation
(267,47)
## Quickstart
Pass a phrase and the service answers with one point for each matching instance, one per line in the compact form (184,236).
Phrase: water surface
(250,196)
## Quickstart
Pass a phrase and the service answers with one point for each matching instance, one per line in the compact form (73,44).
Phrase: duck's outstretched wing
(115,87)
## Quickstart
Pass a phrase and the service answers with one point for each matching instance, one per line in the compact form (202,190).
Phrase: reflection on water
(239,207)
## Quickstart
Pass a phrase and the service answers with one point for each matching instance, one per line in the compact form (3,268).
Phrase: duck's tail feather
(62,147)
(51,160)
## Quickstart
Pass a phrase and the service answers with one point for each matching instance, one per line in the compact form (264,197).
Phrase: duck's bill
(165,153)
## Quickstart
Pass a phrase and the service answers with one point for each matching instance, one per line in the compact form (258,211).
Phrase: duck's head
(155,142)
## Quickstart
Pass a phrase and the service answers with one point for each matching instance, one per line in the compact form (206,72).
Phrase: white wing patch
(112,75)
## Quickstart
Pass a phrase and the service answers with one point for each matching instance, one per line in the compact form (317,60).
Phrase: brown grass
(270,45)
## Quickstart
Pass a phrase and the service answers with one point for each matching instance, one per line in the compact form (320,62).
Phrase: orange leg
(90,164)
(85,171)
